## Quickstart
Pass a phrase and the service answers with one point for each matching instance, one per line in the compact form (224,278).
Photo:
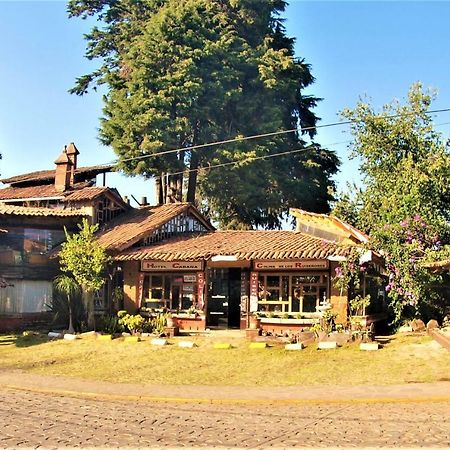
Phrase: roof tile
(134,225)
(245,245)
(26,211)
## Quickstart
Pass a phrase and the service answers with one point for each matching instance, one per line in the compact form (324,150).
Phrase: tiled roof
(134,225)
(244,245)
(88,193)
(78,192)
(26,211)
(42,176)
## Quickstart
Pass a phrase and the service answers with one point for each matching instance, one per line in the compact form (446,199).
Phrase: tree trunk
(179,188)
(88,302)
(159,190)
(192,178)
(70,329)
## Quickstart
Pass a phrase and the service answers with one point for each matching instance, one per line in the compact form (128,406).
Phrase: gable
(138,226)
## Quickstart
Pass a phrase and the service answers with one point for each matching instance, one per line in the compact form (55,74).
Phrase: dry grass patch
(404,359)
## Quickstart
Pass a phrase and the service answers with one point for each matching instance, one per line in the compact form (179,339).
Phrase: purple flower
(404,223)
(417,217)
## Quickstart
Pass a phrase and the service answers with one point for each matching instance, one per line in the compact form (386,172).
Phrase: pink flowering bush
(406,246)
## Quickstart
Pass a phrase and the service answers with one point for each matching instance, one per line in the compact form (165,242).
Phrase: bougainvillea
(406,246)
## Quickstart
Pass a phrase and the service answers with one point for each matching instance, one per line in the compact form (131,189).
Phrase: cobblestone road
(47,421)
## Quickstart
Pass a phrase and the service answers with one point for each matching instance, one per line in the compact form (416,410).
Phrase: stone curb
(441,338)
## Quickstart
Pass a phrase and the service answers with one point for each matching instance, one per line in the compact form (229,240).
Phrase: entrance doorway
(224,298)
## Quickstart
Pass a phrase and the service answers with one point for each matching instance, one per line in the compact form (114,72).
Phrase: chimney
(72,153)
(63,172)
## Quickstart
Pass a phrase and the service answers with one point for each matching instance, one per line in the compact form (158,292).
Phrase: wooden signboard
(170,266)
(253,291)
(300,264)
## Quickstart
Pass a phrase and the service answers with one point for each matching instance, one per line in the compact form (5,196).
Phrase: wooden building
(172,259)
(34,210)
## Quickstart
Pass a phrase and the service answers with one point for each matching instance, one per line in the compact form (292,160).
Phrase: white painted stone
(325,345)
(368,346)
(54,334)
(159,341)
(187,344)
(405,329)
(298,346)
(88,333)
(70,337)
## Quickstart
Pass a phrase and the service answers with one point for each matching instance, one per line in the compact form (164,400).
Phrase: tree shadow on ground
(22,341)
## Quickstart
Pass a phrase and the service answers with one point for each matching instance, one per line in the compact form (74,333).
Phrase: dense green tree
(405,203)
(181,73)
(83,258)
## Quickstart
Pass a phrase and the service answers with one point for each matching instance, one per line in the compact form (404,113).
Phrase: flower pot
(255,323)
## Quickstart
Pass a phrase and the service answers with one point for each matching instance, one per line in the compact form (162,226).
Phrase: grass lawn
(405,359)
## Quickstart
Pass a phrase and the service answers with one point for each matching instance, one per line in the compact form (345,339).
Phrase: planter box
(281,326)
(194,323)
(278,320)
(185,316)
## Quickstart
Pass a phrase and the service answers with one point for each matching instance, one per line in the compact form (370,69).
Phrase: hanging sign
(253,291)
(140,291)
(170,266)
(244,291)
(200,289)
(298,264)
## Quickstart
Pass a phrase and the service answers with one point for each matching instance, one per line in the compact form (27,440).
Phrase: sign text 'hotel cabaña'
(149,266)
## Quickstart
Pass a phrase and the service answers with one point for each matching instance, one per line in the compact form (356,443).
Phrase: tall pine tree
(181,73)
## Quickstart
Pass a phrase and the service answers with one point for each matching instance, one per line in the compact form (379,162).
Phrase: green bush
(132,323)
(110,325)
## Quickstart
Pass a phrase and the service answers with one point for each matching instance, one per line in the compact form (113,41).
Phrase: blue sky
(377,49)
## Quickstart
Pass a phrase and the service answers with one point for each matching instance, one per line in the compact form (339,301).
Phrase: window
(171,291)
(28,245)
(294,293)
(25,296)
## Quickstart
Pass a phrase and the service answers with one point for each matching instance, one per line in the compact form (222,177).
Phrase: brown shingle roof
(48,176)
(43,191)
(26,211)
(136,224)
(244,245)
(78,192)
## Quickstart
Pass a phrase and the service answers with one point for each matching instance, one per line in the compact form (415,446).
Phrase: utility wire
(250,159)
(273,133)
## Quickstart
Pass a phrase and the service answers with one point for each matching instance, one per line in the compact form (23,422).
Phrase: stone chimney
(72,153)
(63,172)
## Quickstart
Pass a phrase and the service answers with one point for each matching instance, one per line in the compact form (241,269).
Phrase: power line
(250,159)
(273,133)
